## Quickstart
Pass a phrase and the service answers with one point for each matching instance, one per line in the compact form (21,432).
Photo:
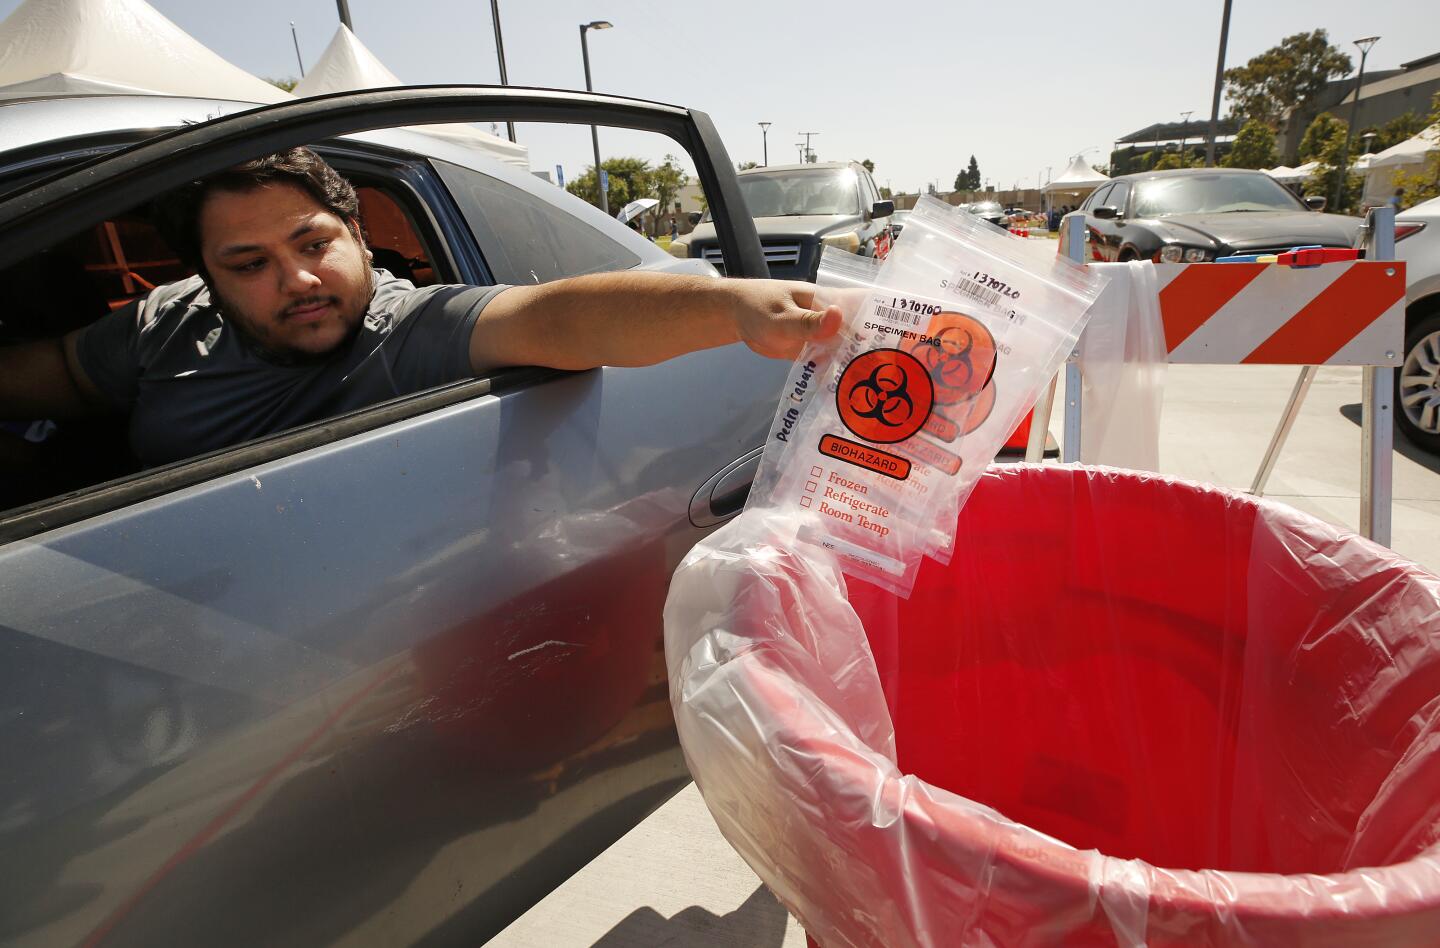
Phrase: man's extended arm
(639,318)
(44,380)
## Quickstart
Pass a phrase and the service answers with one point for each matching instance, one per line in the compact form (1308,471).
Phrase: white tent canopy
(1412,151)
(1296,175)
(1076,178)
(347,65)
(1406,156)
(72,47)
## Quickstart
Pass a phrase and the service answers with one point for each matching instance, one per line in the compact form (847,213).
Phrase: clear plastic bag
(1123,365)
(883,430)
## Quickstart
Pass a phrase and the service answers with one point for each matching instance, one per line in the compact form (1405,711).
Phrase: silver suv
(798,211)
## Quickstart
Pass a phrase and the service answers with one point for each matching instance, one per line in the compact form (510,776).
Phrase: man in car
(287,322)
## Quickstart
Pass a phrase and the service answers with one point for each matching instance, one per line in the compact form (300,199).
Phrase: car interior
(113,263)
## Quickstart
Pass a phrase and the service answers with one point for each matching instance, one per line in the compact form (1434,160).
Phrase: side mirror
(694,218)
(1106,212)
(1316,202)
(882,209)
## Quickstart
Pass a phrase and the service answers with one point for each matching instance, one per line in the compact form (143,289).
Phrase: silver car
(387,678)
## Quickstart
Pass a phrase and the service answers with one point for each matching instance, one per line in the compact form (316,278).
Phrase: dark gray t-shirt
(193,384)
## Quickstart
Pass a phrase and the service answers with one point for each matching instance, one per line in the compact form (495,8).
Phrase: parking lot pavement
(674,880)
(1217,422)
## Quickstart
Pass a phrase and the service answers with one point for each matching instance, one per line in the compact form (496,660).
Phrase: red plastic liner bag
(1130,711)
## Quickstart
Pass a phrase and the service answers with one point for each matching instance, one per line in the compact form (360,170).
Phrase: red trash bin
(1132,710)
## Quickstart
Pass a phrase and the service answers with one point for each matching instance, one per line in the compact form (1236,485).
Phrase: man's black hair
(177,213)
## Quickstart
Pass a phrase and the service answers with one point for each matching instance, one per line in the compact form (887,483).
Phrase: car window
(1097,197)
(525,238)
(1119,192)
(800,193)
(118,261)
(1212,194)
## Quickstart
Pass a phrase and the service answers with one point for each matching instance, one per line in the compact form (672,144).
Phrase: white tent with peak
(87,47)
(347,66)
(1075,180)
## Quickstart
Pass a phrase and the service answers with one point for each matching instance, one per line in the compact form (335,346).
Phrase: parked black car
(1190,215)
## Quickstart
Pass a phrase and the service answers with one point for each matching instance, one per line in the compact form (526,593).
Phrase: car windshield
(1212,194)
(797,193)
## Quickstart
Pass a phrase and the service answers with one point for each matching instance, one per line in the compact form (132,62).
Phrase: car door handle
(724,494)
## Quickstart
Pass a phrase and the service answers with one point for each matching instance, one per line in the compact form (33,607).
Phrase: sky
(916,86)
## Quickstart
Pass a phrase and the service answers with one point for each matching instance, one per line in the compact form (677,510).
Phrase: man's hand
(639,318)
(776,318)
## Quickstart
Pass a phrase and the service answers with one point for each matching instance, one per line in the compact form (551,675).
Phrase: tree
(1254,147)
(1394,131)
(868,165)
(1320,131)
(1326,175)
(747,165)
(886,194)
(973,175)
(629,179)
(1283,77)
(287,84)
(962,181)
(665,184)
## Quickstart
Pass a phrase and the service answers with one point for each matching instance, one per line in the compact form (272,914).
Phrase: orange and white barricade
(1350,313)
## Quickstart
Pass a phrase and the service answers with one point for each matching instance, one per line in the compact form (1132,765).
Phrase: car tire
(1418,379)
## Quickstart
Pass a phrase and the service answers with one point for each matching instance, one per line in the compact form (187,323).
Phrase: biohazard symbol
(884,395)
(959,355)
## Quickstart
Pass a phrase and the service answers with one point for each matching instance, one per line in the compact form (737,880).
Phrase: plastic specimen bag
(882,431)
(1130,711)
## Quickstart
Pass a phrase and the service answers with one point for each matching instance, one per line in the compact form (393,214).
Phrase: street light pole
(1364,47)
(1184,134)
(1219,84)
(594,136)
(296,40)
(500,54)
(764,145)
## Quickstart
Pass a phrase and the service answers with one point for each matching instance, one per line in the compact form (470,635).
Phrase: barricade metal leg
(1070,452)
(1378,458)
(1040,424)
(1377,461)
(1287,420)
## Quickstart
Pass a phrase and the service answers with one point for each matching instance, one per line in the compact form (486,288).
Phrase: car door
(1102,231)
(387,678)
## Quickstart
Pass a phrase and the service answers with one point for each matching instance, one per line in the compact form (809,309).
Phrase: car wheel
(1417,386)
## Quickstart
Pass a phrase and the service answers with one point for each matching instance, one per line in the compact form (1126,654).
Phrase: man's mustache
(308,302)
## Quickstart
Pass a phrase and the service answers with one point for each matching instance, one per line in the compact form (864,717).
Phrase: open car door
(390,677)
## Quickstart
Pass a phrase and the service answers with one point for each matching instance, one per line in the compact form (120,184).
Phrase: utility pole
(1219,85)
(809,152)
(500,54)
